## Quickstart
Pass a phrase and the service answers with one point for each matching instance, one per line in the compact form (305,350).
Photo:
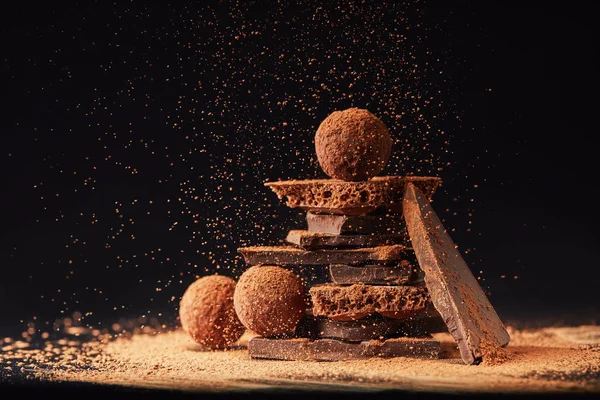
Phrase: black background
(136,139)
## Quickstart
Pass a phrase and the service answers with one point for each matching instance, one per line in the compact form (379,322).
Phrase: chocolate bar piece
(291,255)
(314,240)
(375,327)
(379,224)
(347,303)
(336,350)
(454,291)
(401,274)
(333,196)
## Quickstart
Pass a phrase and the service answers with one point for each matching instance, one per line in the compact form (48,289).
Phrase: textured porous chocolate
(337,350)
(455,293)
(333,196)
(401,274)
(347,303)
(352,145)
(207,313)
(291,255)
(313,240)
(373,224)
(270,300)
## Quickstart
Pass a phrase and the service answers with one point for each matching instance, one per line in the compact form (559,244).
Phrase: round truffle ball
(352,145)
(270,300)
(207,313)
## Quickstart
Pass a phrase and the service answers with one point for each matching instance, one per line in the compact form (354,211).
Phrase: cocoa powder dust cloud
(140,138)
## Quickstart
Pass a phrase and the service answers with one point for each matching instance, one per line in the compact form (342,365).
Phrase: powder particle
(207,313)
(352,145)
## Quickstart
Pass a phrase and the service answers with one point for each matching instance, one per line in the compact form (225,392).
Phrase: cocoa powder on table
(540,360)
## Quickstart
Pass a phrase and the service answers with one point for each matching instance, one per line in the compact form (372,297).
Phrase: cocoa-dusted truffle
(352,145)
(270,300)
(207,313)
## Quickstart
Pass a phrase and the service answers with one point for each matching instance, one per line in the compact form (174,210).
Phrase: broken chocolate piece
(336,350)
(291,255)
(384,224)
(454,291)
(347,303)
(401,274)
(314,240)
(333,196)
(375,327)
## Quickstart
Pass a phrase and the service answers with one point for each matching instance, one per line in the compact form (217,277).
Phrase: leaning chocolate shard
(401,274)
(333,196)
(376,224)
(454,291)
(303,349)
(291,255)
(313,240)
(347,303)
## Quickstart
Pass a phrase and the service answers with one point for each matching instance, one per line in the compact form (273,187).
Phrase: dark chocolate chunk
(384,224)
(347,303)
(401,274)
(375,327)
(337,350)
(454,291)
(291,255)
(315,240)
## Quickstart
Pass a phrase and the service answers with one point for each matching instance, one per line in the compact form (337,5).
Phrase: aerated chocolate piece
(377,224)
(347,303)
(291,255)
(333,196)
(314,240)
(337,350)
(401,274)
(454,291)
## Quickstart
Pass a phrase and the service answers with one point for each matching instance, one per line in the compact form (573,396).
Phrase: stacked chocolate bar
(376,303)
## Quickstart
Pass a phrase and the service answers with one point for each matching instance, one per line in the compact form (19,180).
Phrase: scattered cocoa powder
(492,354)
(172,360)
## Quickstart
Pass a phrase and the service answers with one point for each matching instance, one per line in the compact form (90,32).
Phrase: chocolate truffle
(352,145)
(270,300)
(207,313)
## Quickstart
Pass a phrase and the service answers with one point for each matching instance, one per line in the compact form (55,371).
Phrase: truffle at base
(207,314)
(270,300)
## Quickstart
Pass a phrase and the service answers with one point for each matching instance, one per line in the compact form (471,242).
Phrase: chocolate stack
(362,228)
(376,304)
